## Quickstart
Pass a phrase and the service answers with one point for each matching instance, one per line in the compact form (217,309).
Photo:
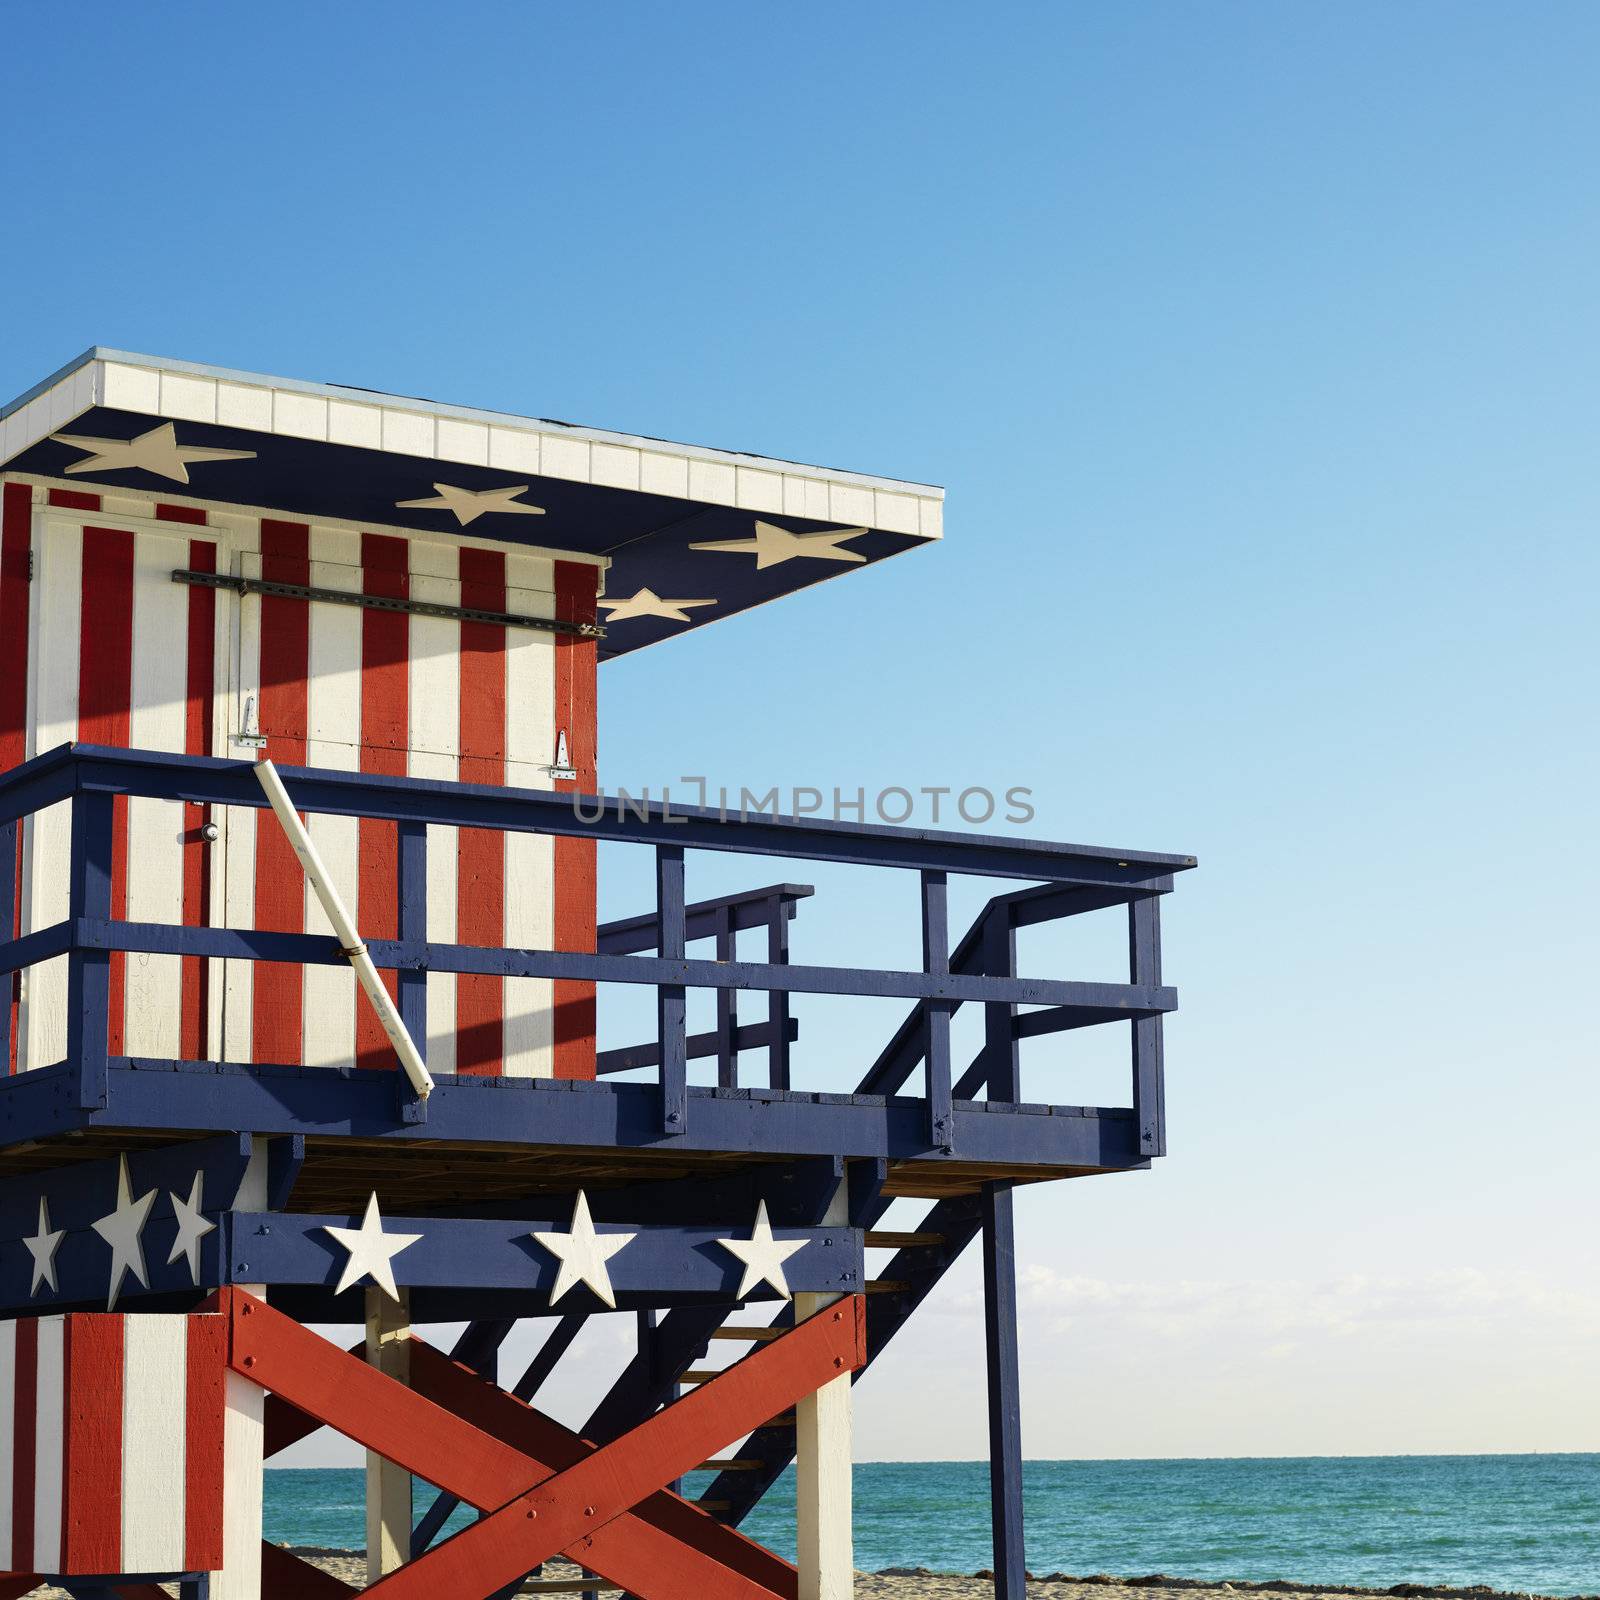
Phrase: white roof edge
(375,397)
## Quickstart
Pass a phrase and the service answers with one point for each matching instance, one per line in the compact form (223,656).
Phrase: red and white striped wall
(119,654)
(111,1443)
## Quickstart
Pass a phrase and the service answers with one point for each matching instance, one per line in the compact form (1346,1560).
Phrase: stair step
(888,1286)
(754,1334)
(730,1464)
(905,1241)
(569,1586)
(713,1505)
(700,1375)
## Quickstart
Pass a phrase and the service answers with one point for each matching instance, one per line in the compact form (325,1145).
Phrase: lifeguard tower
(297,693)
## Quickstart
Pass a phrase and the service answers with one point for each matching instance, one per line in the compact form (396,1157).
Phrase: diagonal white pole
(344,929)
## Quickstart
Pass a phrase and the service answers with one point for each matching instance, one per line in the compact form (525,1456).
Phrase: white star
(371,1250)
(647,603)
(42,1247)
(583,1254)
(470,504)
(121,1229)
(192,1227)
(773,545)
(763,1256)
(156,452)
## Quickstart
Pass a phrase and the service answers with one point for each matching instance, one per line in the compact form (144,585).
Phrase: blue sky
(1255,346)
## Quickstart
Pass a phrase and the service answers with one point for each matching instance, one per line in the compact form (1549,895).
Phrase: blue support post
(1005,1403)
(936,1013)
(671,1007)
(89,971)
(1149,1077)
(727,1006)
(778,999)
(999,1033)
(411,927)
(10,982)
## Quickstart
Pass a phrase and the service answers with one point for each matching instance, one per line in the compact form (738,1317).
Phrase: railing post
(1005,1403)
(9,877)
(1001,1065)
(1149,1085)
(778,999)
(936,1013)
(727,1008)
(89,971)
(671,1012)
(411,927)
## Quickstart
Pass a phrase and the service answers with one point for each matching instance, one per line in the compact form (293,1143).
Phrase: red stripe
(105,705)
(203,1423)
(194,515)
(74,500)
(199,696)
(279,880)
(481,859)
(385,735)
(16,557)
(91,1532)
(24,1441)
(575,858)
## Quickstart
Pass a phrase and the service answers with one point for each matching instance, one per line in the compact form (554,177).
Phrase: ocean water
(1519,1523)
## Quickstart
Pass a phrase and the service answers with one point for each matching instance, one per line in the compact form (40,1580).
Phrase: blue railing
(980,969)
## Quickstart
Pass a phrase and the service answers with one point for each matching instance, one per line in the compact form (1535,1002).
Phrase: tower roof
(690,534)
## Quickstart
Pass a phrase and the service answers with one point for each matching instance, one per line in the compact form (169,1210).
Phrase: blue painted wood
(727,1006)
(411,983)
(1105,1002)
(285,1157)
(1005,1402)
(8,931)
(999,956)
(88,969)
(936,1013)
(1149,1076)
(671,998)
(498,1253)
(778,1018)
(273,1100)
(79,1193)
(41,945)
(747,1036)
(214,781)
(748,909)
(796,1195)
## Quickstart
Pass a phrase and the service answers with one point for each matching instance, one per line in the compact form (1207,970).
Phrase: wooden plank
(671,998)
(579,1503)
(620,1547)
(388,1350)
(823,1459)
(243,1434)
(1005,1405)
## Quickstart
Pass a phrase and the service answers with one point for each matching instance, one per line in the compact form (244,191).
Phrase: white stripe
(155,827)
(49,1454)
(435,738)
(239,822)
(333,721)
(8,1436)
(60,583)
(155,1361)
(530,857)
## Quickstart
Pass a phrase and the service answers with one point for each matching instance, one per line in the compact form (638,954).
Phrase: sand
(917,1583)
